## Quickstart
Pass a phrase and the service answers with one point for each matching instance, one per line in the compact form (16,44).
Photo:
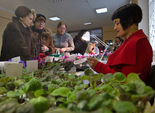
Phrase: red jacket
(134,55)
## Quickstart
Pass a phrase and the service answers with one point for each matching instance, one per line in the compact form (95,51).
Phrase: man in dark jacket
(43,37)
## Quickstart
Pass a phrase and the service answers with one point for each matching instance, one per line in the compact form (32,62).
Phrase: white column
(144,24)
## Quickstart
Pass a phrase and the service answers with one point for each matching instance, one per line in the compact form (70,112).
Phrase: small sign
(56,58)
(49,59)
(13,69)
(72,57)
(80,61)
(31,65)
(16,59)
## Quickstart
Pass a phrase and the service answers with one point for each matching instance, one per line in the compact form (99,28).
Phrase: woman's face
(39,24)
(119,29)
(28,20)
(62,29)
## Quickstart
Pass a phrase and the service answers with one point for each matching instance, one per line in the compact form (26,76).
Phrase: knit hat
(40,17)
(22,11)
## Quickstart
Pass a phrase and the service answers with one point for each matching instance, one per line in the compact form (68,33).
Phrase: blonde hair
(34,14)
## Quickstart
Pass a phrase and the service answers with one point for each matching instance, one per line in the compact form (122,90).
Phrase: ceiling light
(87,23)
(101,10)
(54,18)
(54,1)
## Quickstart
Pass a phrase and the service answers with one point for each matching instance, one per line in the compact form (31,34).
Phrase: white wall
(144,24)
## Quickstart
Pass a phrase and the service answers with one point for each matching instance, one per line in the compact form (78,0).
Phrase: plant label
(16,59)
(32,65)
(80,61)
(13,69)
(49,59)
(72,57)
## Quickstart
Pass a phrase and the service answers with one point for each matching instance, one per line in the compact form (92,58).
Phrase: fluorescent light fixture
(101,10)
(87,23)
(54,18)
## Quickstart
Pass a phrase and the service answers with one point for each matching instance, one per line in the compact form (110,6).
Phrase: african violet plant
(50,90)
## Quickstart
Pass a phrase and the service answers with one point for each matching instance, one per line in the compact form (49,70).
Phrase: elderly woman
(63,41)
(135,54)
(17,39)
(43,36)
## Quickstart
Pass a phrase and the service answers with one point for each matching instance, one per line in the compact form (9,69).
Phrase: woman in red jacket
(135,54)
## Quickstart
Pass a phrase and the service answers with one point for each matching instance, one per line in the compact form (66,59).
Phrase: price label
(16,59)
(80,61)
(13,69)
(31,65)
(49,59)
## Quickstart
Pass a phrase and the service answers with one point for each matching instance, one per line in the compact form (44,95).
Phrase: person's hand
(44,48)
(92,62)
(62,50)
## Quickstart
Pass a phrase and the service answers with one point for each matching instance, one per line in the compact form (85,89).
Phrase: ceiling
(73,12)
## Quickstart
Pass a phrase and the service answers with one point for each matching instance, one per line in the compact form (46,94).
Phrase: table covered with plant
(53,90)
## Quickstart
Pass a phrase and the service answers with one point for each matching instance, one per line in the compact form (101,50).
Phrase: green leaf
(62,91)
(71,107)
(10,86)
(38,93)
(140,86)
(119,76)
(52,87)
(72,76)
(82,95)
(82,105)
(83,86)
(95,102)
(107,87)
(108,77)
(40,104)
(94,77)
(72,96)
(9,107)
(77,88)
(18,82)
(15,93)
(65,83)
(88,71)
(131,77)
(25,108)
(124,107)
(2,90)
(24,87)
(91,92)
(34,84)
(84,77)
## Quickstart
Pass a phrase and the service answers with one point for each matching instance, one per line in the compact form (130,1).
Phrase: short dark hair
(128,14)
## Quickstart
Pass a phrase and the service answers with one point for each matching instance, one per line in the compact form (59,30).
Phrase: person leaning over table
(135,53)
(17,40)
(80,44)
(43,37)
(62,40)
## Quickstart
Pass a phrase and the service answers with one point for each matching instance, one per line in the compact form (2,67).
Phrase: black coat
(17,41)
(80,46)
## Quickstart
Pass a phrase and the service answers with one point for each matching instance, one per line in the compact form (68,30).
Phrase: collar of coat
(126,53)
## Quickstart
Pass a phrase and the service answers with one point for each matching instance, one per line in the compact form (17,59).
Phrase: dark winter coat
(80,45)
(16,42)
(43,37)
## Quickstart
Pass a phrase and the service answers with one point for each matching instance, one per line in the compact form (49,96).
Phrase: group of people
(133,55)
(27,37)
